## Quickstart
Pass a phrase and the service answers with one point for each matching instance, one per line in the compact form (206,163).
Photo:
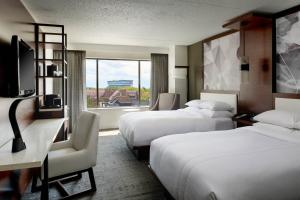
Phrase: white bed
(140,128)
(257,162)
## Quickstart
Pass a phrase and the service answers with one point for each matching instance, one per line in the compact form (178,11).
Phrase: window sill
(125,108)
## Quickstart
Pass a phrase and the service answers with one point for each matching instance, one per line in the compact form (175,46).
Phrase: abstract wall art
(288,53)
(221,63)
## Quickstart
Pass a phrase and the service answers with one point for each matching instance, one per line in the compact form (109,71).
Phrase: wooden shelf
(52,45)
(56,41)
(52,60)
(65,77)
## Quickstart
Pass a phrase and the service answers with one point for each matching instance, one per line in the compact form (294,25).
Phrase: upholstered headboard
(231,99)
(287,104)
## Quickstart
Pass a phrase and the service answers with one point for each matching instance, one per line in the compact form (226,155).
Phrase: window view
(91,82)
(120,83)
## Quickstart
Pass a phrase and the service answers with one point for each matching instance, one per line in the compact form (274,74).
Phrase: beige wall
(109,117)
(14,20)
(195,60)
(178,56)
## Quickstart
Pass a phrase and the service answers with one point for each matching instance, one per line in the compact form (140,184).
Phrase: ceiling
(157,23)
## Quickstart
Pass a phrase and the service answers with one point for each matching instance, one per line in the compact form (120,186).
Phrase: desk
(38,137)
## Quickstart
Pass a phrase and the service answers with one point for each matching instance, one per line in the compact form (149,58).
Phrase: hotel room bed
(257,162)
(140,128)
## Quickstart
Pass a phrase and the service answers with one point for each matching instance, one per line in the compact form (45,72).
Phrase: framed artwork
(288,53)
(221,63)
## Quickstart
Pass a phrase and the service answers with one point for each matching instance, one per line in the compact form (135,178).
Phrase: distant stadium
(118,83)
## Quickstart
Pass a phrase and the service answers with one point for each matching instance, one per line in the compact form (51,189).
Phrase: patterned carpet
(118,175)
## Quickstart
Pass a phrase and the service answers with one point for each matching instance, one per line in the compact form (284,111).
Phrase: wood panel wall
(256,94)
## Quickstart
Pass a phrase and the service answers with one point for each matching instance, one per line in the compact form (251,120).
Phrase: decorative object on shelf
(57,73)
(52,101)
(51,69)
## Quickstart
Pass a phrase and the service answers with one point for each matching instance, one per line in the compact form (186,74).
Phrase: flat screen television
(21,80)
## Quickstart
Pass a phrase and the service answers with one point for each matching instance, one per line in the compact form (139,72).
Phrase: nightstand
(244,121)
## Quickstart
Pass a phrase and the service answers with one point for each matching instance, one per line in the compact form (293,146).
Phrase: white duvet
(140,128)
(250,163)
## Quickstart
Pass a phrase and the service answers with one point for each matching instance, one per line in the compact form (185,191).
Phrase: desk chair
(69,159)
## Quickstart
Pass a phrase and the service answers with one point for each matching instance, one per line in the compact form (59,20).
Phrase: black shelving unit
(50,39)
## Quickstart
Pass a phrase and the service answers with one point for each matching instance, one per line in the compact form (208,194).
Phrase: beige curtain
(76,85)
(159,75)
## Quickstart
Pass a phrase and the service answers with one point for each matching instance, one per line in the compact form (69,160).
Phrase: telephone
(245,116)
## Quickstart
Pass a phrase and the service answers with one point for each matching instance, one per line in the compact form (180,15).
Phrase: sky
(117,70)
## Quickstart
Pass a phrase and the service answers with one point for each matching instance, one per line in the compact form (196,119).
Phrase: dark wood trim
(181,67)
(274,49)
(247,20)
(218,36)
(286,95)
(287,12)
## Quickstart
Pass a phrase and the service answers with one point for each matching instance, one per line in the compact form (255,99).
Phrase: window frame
(139,77)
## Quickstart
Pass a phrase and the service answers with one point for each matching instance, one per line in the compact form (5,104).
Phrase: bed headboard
(287,104)
(231,99)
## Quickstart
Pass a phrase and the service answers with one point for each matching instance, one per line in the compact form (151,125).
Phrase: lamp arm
(18,143)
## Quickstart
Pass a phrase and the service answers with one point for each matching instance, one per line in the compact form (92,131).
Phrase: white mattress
(259,162)
(140,128)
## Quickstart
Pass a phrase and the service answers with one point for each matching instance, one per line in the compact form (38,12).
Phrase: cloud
(117,70)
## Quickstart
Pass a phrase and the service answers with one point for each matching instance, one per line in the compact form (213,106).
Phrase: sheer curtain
(159,75)
(76,85)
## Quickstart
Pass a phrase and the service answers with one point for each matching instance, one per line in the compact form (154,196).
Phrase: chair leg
(92,180)
(66,195)
(34,186)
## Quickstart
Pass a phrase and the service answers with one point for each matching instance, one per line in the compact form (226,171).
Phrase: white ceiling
(145,22)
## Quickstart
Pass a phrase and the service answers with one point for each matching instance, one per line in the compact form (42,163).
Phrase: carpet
(118,175)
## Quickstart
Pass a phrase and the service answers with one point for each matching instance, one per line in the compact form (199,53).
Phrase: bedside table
(244,121)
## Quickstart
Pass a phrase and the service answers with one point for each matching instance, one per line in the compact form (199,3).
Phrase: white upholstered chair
(167,101)
(76,155)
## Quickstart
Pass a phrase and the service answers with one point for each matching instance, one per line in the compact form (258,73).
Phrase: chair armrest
(155,106)
(61,145)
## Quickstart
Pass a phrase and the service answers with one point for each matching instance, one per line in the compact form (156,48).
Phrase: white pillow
(216,114)
(194,103)
(210,105)
(279,118)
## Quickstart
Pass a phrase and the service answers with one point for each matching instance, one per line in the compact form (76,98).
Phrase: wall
(109,117)
(117,51)
(258,47)
(178,56)
(195,62)
(14,20)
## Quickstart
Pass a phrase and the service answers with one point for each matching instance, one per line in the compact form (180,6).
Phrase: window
(114,83)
